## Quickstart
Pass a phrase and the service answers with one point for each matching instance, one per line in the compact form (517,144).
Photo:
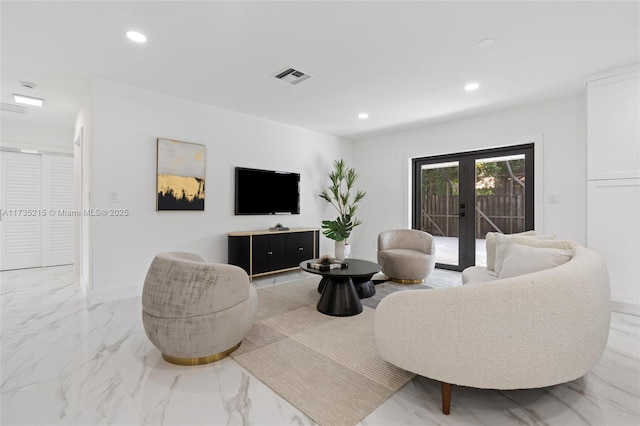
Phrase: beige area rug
(328,367)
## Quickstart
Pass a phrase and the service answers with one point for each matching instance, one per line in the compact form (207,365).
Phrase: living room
(114,131)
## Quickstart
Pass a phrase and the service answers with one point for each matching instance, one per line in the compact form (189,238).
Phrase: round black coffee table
(342,288)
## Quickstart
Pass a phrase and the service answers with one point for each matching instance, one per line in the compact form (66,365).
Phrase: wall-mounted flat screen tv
(266,192)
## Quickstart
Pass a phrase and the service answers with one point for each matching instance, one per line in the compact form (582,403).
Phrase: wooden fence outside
(503,213)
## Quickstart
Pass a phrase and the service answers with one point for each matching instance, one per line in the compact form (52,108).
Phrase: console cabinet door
(278,250)
(261,253)
(269,253)
(239,252)
(307,250)
(299,247)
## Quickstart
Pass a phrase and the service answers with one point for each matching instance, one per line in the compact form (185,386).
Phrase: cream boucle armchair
(528,331)
(407,256)
(196,312)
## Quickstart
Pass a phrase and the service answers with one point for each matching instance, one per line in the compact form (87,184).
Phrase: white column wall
(125,124)
(82,169)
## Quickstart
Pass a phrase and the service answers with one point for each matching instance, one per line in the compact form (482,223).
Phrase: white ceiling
(405,63)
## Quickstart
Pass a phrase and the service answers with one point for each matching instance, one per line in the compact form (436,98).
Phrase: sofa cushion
(410,255)
(491,246)
(403,264)
(522,259)
(477,274)
(504,241)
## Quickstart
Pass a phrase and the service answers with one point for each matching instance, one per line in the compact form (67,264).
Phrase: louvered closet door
(20,195)
(57,197)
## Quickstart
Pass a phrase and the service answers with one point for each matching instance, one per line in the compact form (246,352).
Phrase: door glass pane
(439,206)
(500,199)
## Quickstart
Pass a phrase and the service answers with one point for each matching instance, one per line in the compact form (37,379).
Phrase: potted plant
(339,195)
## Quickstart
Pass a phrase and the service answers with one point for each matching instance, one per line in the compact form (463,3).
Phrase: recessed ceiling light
(471,87)
(28,100)
(363,116)
(136,36)
(487,42)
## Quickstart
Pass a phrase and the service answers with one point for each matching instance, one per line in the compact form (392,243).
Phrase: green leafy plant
(339,195)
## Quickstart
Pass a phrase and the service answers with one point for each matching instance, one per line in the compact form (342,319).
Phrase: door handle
(461,214)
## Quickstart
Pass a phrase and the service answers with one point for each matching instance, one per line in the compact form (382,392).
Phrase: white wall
(82,168)
(125,122)
(41,137)
(383,165)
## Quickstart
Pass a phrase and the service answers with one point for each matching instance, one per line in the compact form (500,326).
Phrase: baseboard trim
(625,308)
(112,294)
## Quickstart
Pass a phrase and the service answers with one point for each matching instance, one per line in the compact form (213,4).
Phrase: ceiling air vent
(292,76)
(13,108)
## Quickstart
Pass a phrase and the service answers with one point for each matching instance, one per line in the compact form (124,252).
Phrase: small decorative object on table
(327,263)
(325,259)
(279,227)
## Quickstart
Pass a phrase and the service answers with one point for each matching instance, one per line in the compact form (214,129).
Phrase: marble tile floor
(64,362)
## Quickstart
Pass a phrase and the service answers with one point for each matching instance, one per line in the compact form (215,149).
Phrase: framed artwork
(181,175)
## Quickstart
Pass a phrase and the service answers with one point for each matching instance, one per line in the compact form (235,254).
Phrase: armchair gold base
(201,360)
(402,281)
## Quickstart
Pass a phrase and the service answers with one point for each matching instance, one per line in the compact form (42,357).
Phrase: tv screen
(266,192)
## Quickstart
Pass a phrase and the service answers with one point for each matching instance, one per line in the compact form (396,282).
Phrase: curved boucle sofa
(527,331)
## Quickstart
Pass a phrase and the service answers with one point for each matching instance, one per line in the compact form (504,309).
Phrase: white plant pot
(340,250)
(347,251)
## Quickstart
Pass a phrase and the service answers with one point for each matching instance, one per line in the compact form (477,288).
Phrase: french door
(458,198)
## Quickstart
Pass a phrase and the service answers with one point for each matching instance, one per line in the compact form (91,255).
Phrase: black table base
(364,286)
(339,297)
